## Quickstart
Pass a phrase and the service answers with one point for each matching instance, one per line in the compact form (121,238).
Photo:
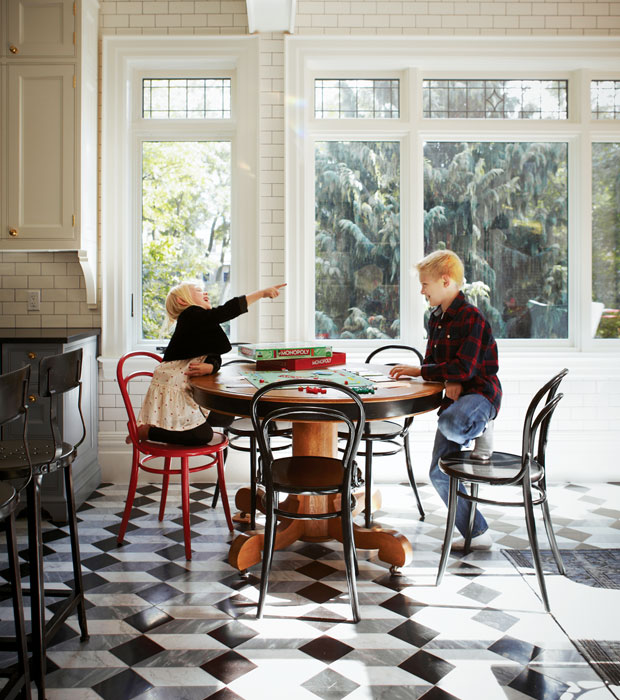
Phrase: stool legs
(75,553)
(37,593)
(18,614)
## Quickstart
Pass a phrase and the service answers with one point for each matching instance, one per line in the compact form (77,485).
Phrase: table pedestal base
(246,550)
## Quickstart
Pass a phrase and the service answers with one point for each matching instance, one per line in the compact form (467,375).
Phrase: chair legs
(368,484)
(165,482)
(450,521)
(412,480)
(531,533)
(131,494)
(350,560)
(221,482)
(551,534)
(268,546)
(473,506)
(185,507)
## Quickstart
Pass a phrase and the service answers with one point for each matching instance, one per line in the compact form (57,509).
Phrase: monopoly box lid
(276,351)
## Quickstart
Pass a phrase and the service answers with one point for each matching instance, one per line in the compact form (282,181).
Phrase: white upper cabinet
(48,149)
(40,28)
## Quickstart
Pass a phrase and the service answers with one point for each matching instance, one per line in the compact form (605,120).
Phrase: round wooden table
(227,392)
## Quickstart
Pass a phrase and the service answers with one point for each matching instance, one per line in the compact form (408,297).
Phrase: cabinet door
(40,28)
(41,155)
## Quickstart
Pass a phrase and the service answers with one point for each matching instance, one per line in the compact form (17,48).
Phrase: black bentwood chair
(241,437)
(392,433)
(13,406)
(59,375)
(309,475)
(526,471)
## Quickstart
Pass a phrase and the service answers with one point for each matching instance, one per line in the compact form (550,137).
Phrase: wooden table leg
(318,439)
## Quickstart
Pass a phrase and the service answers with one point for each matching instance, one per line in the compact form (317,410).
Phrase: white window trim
(577,59)
(125,61)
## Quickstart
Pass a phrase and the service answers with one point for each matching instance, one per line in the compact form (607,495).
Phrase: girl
(169,412)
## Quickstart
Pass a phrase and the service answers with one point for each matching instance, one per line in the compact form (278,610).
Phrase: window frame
(126,61)
(576,60)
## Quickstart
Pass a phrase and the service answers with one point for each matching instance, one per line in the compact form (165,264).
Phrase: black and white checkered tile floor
(163,628)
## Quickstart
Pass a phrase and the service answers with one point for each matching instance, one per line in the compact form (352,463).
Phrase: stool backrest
(124,380)
(14,402)
(59,374)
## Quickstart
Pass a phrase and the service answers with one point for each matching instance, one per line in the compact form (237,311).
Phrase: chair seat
(290,474)
(14,464)
(502,468)
(166,449)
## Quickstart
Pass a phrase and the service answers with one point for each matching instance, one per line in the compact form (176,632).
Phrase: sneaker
(481,542)
(483,446)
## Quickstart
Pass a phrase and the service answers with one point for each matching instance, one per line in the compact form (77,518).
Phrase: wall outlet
(34,300)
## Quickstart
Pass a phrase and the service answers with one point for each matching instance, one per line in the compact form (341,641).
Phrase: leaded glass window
(605,99)
(186,98)
(357,99)
(495,99)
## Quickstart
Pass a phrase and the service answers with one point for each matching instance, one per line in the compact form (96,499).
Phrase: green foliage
(503,208)
(185,222)
(357,239)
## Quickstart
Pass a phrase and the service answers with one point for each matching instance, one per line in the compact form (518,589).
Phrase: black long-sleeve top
(198,332)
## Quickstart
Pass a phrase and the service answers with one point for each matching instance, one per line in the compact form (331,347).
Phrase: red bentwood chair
(145,451)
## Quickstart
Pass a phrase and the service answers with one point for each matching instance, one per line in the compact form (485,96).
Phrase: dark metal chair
(526,471)
(59,375)
(309,475)
(241,437)
(389,432)
(13,406)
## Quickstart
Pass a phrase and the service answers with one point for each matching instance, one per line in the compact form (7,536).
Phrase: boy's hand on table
(453,390)
(198,369)
(405,371)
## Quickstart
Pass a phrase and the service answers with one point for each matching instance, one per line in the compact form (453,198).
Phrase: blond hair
(443,262)
(178,294)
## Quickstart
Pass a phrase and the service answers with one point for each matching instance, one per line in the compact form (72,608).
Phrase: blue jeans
(458,424)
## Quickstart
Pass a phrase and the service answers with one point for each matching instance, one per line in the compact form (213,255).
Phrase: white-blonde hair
(443,262)
(177,300)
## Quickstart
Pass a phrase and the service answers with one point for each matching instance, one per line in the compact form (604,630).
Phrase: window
(357,239)
(495,99)
(491,163)
(179,186)
(356,99)
(606,239)
(184,98)
(503,207)
(605,99)
(186,192)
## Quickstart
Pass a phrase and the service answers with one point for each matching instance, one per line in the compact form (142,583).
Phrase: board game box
(337,358)
(276,351)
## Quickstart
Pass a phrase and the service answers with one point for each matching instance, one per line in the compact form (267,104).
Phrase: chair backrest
(405,348)
(59,374)
(349,411)
(538,418)
(123,383)
(14,403)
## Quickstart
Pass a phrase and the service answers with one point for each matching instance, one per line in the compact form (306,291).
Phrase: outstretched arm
(267,293)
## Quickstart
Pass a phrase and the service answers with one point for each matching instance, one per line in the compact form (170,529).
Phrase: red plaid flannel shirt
(461,348)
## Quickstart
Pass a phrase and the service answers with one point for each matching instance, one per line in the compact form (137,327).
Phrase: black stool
(58,375)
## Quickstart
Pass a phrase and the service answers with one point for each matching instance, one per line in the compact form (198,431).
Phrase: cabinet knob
(32,398)
(13,49)
(32,355)
(13,232)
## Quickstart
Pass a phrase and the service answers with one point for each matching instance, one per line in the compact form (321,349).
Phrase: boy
(462,353)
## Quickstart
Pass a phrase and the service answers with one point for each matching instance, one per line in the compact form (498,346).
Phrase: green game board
(360,385)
